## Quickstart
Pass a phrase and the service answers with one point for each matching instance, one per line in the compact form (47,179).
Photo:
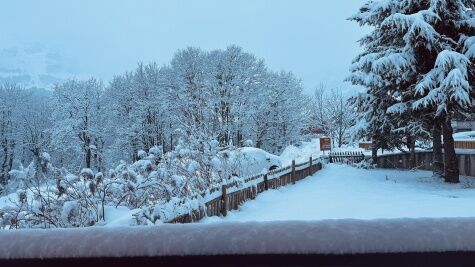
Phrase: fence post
(224,207)
(266,182)
(310,167)
(292,177)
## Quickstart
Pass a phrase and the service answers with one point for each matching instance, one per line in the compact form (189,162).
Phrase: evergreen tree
(414,61)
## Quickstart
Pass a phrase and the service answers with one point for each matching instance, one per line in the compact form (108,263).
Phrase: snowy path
(339,192)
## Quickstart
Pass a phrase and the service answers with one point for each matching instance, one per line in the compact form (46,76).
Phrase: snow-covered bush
(248,143)
(365,164)
(161,186)
(47,197)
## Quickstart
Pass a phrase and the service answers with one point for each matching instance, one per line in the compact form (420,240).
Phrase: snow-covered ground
(340,192)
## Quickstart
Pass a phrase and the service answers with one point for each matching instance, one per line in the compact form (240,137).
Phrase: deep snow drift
(340,191)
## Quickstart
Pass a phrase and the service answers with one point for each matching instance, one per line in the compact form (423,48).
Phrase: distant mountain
(34,66)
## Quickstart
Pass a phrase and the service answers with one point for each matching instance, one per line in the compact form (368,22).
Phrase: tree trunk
(10,160)
(374,151)
(87,150)
(239,138)
(451,173)
(411,143)
(88,157)
(4,171)
(340,139)
(438,160)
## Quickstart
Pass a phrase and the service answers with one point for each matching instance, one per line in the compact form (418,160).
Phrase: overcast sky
(57,38)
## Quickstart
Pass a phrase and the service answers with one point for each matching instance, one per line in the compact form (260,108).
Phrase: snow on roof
(285,237)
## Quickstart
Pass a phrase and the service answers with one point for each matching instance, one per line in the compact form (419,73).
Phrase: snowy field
(339,192)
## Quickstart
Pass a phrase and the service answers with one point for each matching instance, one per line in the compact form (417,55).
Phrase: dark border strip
(433,259)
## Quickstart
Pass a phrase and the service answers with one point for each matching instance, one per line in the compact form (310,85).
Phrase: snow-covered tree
(139,116)
(12,100)
(319,116)
(166,134)
(331,113)
(414,63)
(77,134)
(236,78)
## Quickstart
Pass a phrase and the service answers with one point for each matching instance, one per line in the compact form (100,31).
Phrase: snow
(469,135)
(398,108)
(141,154)
(289,237)
(155,150)
(86,173)
(414,25)
(46,156)
(469,47)
(448,60)
(120,216)
(249,161)
(446,83)
(68,210)
(302,153)
(342,192)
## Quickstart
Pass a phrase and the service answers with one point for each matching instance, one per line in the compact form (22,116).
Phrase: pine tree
(414,59)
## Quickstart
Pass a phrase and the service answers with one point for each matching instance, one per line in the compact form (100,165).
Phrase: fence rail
(346,157)
(461,144)
(231,199)
(424,159)
(464,144)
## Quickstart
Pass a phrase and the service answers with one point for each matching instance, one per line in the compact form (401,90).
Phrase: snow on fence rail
(253,238)
(231,196)
(466,161)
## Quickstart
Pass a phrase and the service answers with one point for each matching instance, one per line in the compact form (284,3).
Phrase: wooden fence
(231,197)
(464,144)
(346,157)
(424,161)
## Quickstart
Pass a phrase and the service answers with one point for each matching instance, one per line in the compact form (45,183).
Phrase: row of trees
(24,119)
(418,68)
(225,95)
(159,132)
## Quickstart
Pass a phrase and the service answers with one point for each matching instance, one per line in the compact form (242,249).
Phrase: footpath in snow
(341,192)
